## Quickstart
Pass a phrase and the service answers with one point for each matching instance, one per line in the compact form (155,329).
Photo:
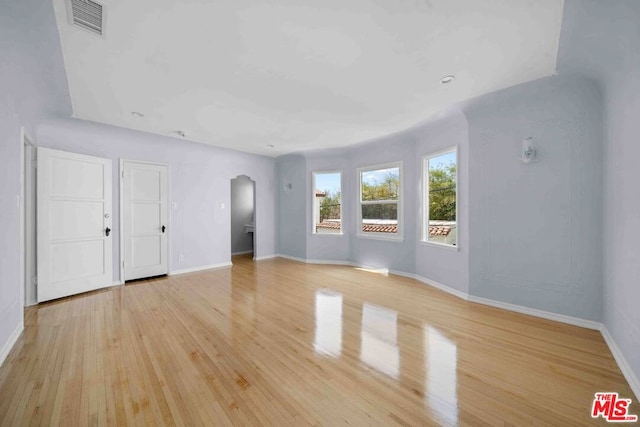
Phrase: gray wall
(33,86)
(199,187)
(536,229)
(446,266)
(241,214)
(529,234)
(443,265)
(394,255)
(601,39)
(328,246)
(291,193)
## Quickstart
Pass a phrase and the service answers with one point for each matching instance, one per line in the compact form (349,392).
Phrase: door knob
(163,228)
(107,231)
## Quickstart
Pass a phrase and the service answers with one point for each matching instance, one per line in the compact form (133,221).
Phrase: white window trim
(399,236)
(440,245)
(313,195)
(424,205)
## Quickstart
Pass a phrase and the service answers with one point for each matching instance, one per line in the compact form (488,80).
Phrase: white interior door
(73,224)
(145,219)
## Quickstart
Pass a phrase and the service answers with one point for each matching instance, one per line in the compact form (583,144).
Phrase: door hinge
(122,174)
(34,164)
(35,280)
(122,264)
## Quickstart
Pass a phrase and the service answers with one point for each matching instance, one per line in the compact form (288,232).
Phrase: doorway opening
(243,229)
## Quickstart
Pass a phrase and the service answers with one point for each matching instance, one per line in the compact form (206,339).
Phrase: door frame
(27,218)
(121,209)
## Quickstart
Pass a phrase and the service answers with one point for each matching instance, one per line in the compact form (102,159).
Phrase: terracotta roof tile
(329,224)
(434,230)
(379,228)
(439,230)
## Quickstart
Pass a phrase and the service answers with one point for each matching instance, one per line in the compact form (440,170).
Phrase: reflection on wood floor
(277,342)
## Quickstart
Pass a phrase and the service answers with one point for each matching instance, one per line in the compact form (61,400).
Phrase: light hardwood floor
(283,343)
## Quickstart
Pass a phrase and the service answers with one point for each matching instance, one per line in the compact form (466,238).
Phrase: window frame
(399,236)
(313,195)
(424,231)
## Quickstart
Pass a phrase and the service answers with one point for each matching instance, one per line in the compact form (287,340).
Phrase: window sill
(440,245)
(380,236)
(328,234)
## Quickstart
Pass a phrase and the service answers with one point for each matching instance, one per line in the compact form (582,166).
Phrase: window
(440,198)
(380,201)
(327,202)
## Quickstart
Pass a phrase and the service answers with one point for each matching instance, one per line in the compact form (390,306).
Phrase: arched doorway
(243,230)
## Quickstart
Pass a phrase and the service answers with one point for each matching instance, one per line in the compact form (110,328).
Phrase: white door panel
(145,220)
(146,251)
(71,219)
(77,260)
(73,213)
(146,184)
(77,177)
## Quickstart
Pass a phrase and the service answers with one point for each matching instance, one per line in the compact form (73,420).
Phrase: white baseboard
(438,285)
(289,257)
(261,258)
(421,279)
(242,252)
(117,283)
(315,261)
(13,338)
(576,321)
(628,373)
(318,261)
(332,262)
(204,267)
(589,324)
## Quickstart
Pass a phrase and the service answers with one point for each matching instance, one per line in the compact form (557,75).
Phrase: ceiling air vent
(87,15)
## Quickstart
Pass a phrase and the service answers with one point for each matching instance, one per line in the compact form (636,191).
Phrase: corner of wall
(291,188)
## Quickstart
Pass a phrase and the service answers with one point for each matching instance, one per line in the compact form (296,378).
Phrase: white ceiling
(299,75)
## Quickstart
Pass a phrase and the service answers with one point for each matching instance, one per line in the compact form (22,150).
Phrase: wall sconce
(528,152)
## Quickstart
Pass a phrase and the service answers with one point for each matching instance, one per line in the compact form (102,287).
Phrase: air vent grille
(87,14)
